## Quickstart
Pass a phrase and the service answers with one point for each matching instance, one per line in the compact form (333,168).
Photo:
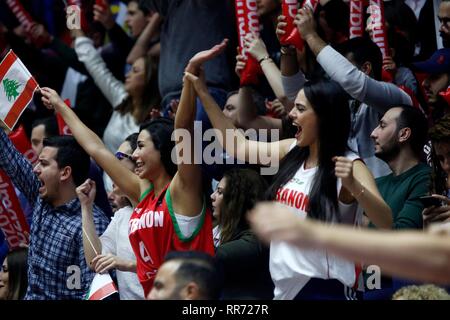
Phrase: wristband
(360,193)
(263,58)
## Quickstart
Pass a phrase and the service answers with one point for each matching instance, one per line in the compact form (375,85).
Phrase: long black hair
(330,103)
(161,130)
(17,273)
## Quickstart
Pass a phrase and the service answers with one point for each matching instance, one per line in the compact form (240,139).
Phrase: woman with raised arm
(171,213)
(318,178)
(132,101)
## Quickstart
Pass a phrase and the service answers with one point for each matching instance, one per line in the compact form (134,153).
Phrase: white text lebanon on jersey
(292,198)
(149,219)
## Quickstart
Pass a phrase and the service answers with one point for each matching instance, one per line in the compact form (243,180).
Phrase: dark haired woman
(13,275)
(132,101)
(170,212)
(318,178)
(244,260)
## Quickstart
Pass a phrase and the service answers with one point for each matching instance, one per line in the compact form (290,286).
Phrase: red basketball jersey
(154,231)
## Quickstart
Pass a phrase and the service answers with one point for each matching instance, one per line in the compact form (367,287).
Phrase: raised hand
(201,57)
(280,32)
(174,103)
(39,36)
(103,14)
(86,193)
(277,108)
(304,20)
(255,46)
(389,64)
(344,170)
(198,81)
(51,99)
(240,64)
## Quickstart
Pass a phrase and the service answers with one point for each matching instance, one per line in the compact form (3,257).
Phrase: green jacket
(402,194)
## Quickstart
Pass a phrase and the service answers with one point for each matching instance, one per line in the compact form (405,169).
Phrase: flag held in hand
(17,87)
(101,287)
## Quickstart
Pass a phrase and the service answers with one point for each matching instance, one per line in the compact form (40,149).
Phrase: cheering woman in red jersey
(170,212)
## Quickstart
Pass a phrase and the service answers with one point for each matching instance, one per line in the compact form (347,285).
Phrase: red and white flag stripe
(17,87)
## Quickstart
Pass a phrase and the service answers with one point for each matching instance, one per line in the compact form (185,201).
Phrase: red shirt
(154,232)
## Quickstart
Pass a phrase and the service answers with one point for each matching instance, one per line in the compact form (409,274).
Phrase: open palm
(201,57)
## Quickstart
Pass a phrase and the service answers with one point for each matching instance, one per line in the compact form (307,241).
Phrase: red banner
(12,219)
(377,25)
(27,22)
(102,4)
(21,142)
(289,9)
(294,37)
(21,14)
(63,128)
(247,22)
(356,18)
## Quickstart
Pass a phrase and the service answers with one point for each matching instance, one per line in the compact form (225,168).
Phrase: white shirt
(115,241)
(290,267)
(119,126)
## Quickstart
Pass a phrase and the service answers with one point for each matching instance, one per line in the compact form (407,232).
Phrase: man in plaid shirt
(57,268)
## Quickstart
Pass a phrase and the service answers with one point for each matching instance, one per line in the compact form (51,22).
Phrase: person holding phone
(440,138)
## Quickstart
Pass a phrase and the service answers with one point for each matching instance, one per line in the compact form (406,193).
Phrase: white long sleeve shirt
(119,126)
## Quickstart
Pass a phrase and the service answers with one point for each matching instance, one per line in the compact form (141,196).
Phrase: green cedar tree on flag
(17,87)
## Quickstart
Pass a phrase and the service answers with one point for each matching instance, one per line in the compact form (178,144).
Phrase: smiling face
(135,78)
(147,157)
(217,197)
(4,280)
(305,119)
(385,135)
(433,84)
(49,174)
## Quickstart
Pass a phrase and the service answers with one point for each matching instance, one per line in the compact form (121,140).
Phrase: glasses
(121,155)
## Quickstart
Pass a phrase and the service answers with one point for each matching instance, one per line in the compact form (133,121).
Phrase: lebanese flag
(101,287)
(63,128)
(17,87)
